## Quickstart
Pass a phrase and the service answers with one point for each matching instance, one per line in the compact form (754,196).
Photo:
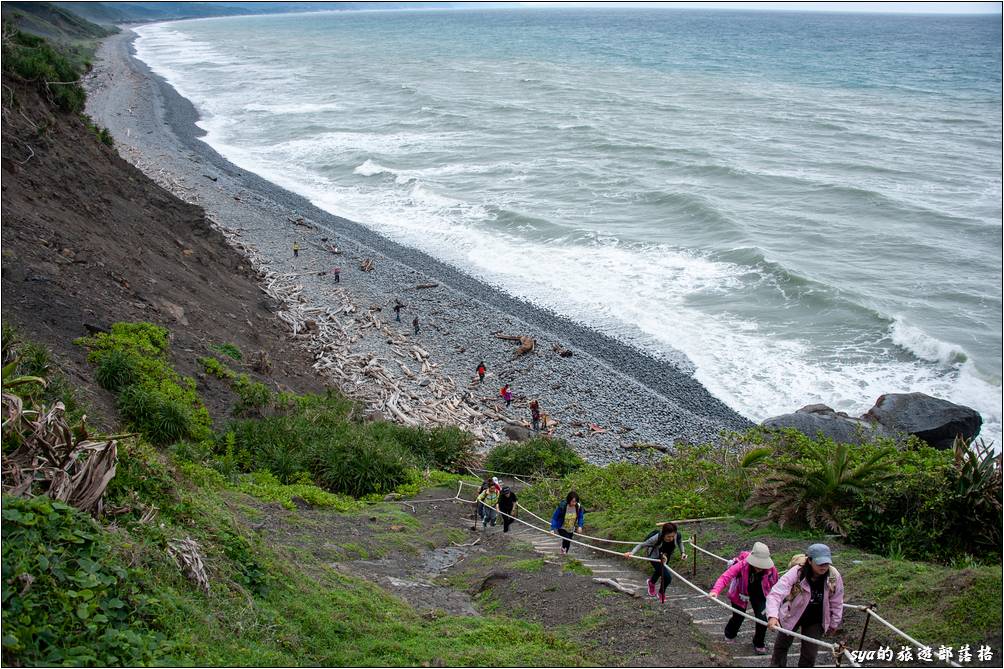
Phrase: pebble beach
(605,398)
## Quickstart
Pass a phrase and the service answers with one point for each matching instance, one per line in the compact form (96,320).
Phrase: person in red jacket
(481,372)
(748,580)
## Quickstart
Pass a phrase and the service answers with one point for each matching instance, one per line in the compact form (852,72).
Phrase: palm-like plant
(978,488)
(819,487)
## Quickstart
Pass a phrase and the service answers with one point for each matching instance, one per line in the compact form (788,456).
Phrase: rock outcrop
(936,421)
(814,419)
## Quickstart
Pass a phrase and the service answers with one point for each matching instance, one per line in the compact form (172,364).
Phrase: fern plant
(819,489)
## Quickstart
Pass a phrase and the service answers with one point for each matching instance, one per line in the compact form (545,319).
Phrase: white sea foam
(653,294)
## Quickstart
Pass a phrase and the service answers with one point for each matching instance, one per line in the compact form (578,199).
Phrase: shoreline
(631,395)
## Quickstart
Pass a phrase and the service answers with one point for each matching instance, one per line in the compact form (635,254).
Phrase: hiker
(506,394)
(479,508)
(809,598)
(507,505)
(490,501)
(535,415)
(296,249)
(660,544)
(748,580)
(414,324)
(481,372)
(397,311)
(568,517)
(338,274)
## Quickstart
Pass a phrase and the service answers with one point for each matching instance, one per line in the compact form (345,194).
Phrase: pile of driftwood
(406,385)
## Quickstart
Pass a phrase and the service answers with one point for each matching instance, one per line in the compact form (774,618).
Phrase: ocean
(796,207)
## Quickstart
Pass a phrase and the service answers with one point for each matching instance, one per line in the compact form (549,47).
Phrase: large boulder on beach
(516,432)
(814,419)
(936,421)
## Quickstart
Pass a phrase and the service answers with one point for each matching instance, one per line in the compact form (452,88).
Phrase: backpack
(799,561)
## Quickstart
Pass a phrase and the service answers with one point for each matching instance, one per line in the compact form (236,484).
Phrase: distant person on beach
(568,518)
(535,415)
(660,545)
(506,394)
(489,498)
(748,580)
(338,274)
(507,505)
(808,598)
(414,324)
(398,306)
(296,249)
(481,372)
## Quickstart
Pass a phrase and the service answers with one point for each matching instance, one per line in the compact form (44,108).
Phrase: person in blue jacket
(567,518)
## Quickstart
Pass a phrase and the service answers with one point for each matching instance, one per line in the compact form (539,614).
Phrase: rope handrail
(836,649)
(869,609)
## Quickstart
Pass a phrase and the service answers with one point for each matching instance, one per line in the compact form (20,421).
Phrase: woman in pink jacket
(748,581)
(808,599)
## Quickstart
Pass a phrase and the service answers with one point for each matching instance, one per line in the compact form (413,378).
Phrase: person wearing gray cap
(809,599)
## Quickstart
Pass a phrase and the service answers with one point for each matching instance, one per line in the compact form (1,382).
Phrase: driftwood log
(526,344)
(366,265)
(427,285)
(563,352)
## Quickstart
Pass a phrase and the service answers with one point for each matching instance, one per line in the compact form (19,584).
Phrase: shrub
(34,60)
(116,370)
(152,397)
(447,448)
(228,350)
(216,368)
(823,486)
(252,395)
(548,457)
(361,466)
(66,601)
(162,419)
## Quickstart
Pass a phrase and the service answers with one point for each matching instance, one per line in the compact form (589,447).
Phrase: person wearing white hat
(749,579)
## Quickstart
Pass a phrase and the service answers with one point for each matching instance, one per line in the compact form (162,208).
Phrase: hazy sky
(885,7)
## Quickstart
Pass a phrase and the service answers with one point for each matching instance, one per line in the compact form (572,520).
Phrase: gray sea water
(807,206)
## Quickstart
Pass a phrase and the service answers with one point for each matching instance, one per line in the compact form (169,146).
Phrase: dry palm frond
(185,553)
(51,461)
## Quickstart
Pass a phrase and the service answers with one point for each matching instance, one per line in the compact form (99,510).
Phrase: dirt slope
(88,240)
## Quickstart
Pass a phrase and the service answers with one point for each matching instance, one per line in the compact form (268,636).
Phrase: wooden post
(693,573)
(864,631)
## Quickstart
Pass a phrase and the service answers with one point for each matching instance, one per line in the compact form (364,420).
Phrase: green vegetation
(228,350)
(574,566)
(132,362)
(65,601)
(82,594)
(32,59)
(528,565)
(822,486)
(539,456)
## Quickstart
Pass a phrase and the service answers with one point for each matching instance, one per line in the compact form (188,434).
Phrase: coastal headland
(605,399)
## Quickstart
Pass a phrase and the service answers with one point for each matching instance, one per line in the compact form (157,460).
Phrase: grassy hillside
(74,37)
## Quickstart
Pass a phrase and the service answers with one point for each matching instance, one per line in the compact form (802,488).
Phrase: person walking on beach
(507,505)
(398,306)
(567,518)
(808,598)
(660,545)
(481,372)
(535,415)
(506,394)
(296,249)
(338,274)
(414,324)
(748,580)
(490,499)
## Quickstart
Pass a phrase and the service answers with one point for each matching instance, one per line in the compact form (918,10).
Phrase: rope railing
(868,609)
(838,650)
